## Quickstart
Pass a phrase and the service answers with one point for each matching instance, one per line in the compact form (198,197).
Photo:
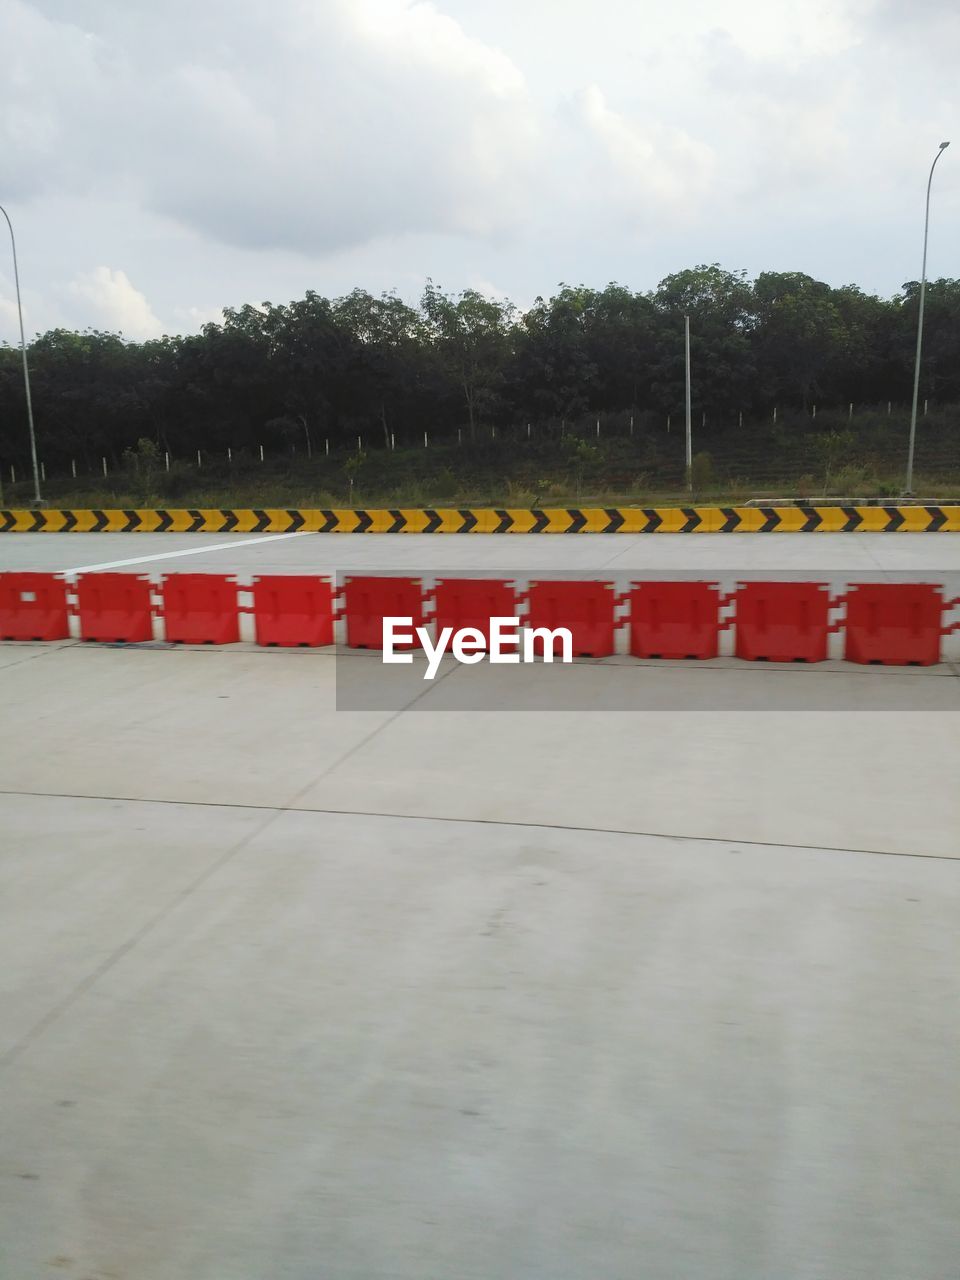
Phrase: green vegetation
(841,458)
(465,399)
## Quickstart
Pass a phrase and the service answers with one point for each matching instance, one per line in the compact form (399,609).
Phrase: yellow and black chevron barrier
(793,519)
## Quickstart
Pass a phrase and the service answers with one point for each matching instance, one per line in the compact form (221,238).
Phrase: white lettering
(391,638)
(549,639)
(434,652)
(504,647)
(469,645)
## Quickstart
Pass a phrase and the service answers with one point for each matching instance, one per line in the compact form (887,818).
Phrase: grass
(791,460)
(288,493)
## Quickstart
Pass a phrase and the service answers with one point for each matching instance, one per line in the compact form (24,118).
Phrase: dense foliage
(294,377)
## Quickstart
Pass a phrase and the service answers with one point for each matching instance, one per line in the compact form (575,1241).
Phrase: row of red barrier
(891,623)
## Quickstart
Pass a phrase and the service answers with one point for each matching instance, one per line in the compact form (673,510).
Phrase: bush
(853,482)
(175,483)
(702,475)
(142,466)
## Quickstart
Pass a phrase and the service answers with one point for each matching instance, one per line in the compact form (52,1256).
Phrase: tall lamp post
(687,400)
(908,488)
(26,370)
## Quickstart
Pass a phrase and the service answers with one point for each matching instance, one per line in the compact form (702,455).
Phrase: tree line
(318,373)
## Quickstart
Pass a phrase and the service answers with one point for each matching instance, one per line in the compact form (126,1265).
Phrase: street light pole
(686,343)
(908,489)
(26,370)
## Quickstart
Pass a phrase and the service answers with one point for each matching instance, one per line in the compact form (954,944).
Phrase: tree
(472,336)
(800,334)
(940,370)
(228,383)
(555,374)
(310,357)
(373,366)
(867,367)
(85,392)
(720,306)
(585,350)
(389,339)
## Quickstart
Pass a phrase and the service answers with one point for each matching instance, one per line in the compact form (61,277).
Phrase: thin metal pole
(908,487)
(686,335)
(26,370)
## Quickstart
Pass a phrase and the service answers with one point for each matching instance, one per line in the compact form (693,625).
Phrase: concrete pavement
(425,553)
(295,992)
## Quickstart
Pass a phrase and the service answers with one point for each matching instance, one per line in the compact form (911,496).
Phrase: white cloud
(489,289)
(51,85)
(9,314)
(643,167)
(231,151)
(116,303)
(312,126)
(194,318)
(9,320)
(783,32)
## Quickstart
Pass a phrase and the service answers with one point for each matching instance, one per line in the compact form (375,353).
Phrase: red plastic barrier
(472,602)
(894,623)
(782,621)
(674,619)
(367,601)
(585,608)
(115,607)
(33,606)
(294,609)
(200,608)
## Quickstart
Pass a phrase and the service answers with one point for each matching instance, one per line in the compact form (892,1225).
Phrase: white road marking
(247,540)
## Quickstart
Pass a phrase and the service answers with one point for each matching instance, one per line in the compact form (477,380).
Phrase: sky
(160,161)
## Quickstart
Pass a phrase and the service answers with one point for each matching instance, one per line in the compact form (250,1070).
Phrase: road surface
(295,992)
